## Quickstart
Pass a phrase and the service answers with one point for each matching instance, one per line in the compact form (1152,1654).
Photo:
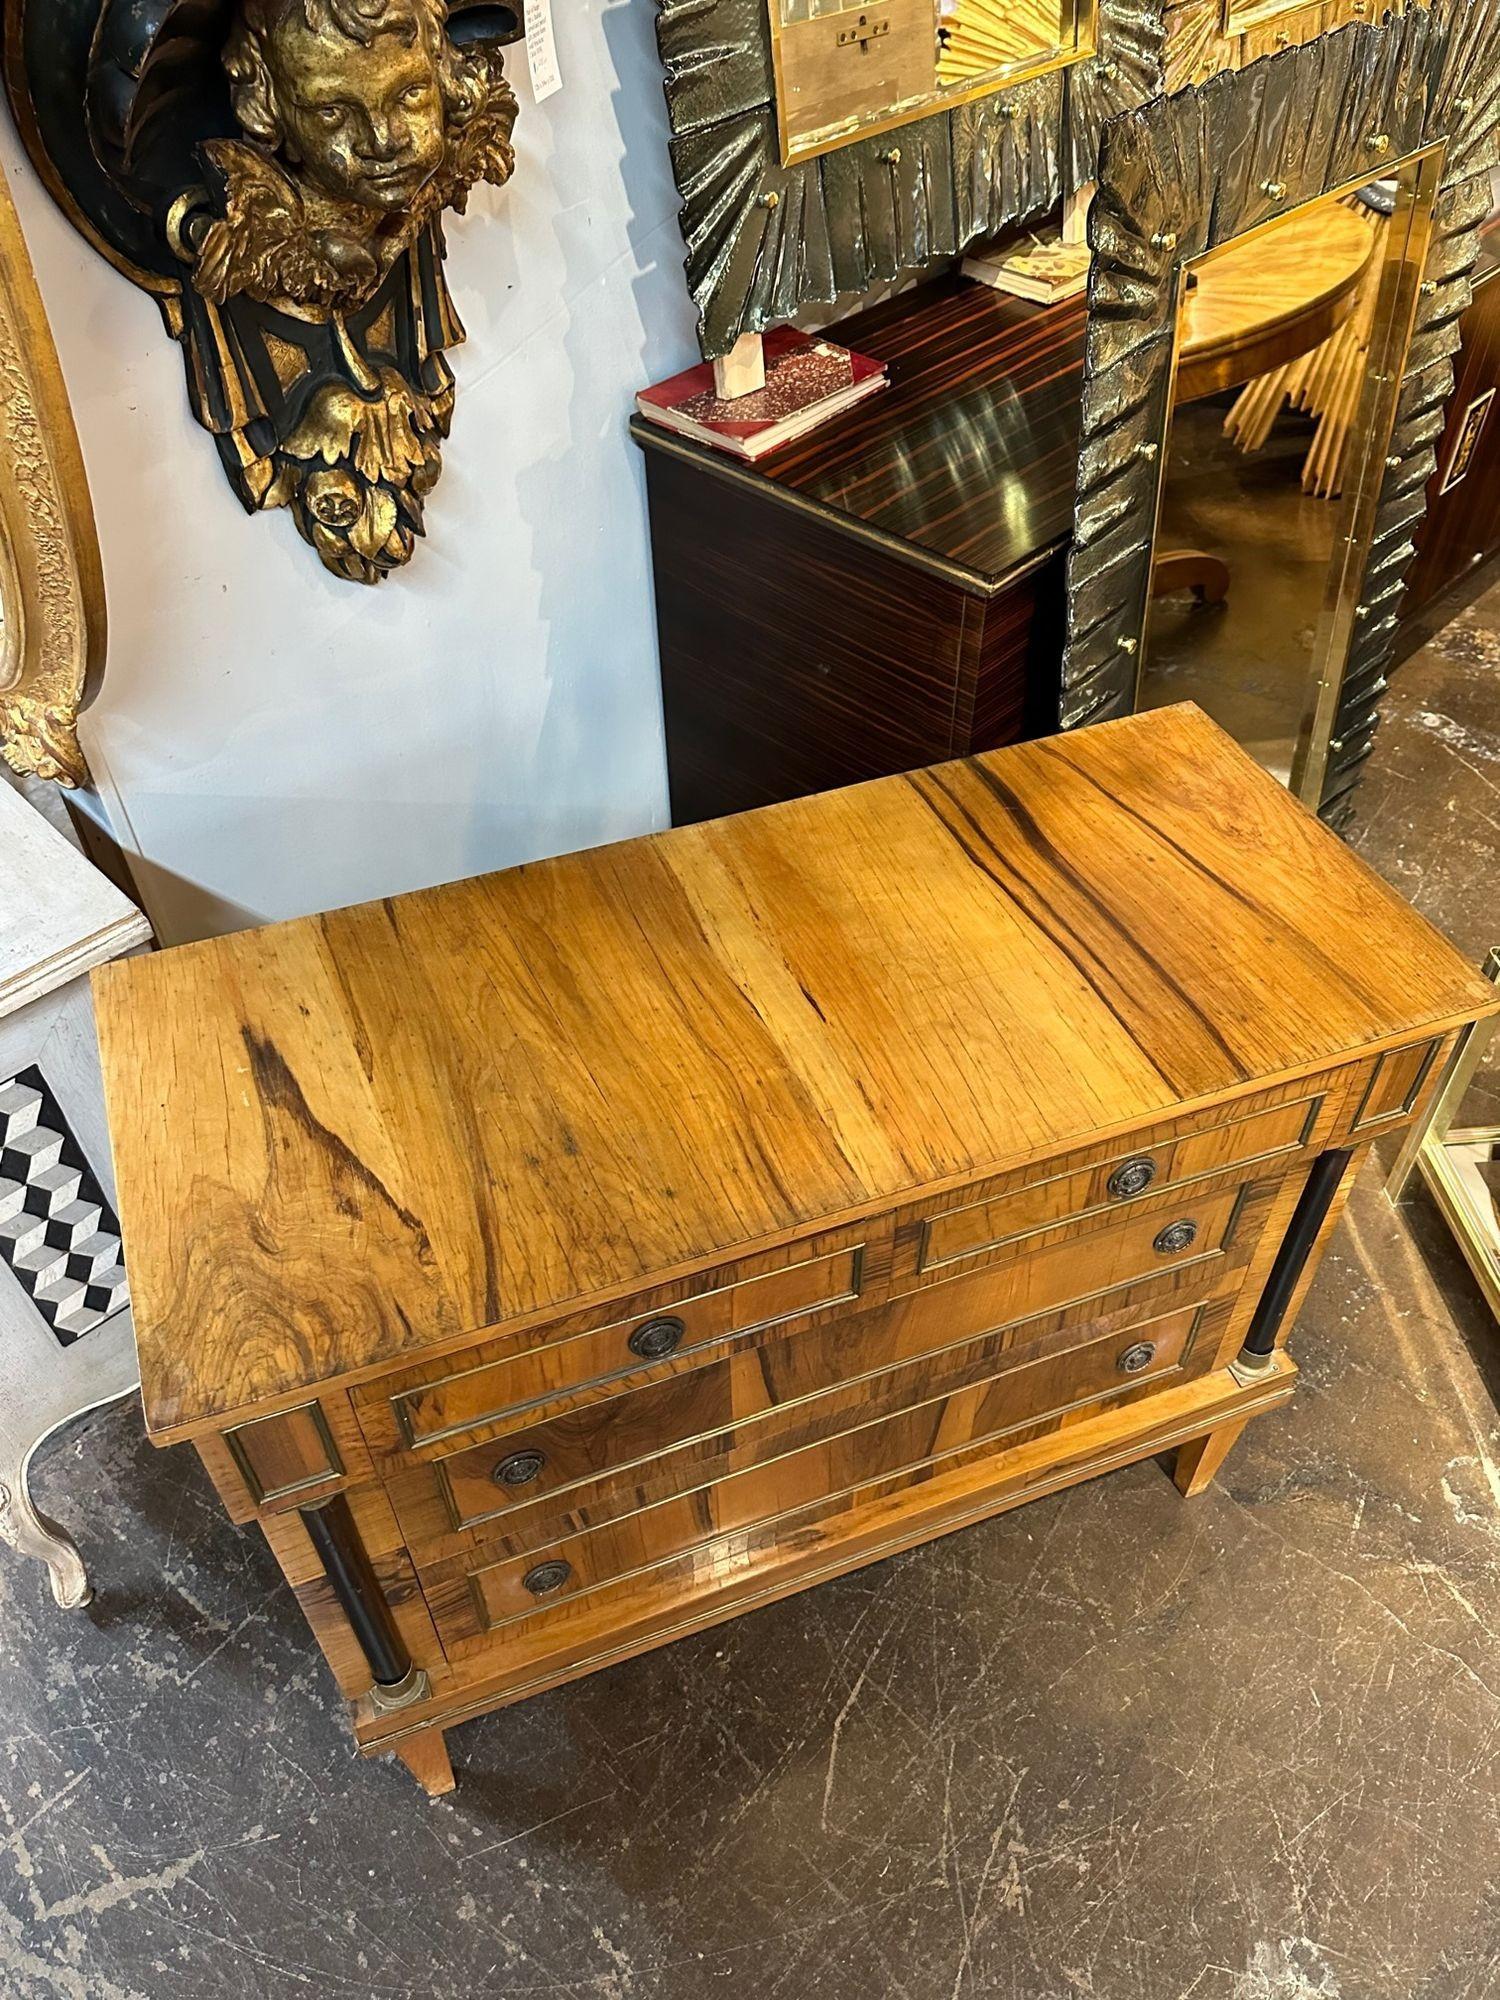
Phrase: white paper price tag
(541,50)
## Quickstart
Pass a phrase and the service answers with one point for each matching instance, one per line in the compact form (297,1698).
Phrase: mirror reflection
(849,68)
(1290,345)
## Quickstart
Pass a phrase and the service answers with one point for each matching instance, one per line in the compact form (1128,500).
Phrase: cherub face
(364,121)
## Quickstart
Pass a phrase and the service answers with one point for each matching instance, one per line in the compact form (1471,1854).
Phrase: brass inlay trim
(740,1426)
(1278,1390)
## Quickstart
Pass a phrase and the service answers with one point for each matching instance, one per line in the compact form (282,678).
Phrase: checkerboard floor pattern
(57,1231)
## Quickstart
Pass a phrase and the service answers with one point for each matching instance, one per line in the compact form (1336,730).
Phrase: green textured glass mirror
(849,69)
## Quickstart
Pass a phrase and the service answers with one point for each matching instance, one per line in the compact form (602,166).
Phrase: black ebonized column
(1291,1259)
(330,1525)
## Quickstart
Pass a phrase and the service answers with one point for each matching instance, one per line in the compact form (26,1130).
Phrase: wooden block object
(600,1249)
(742,370)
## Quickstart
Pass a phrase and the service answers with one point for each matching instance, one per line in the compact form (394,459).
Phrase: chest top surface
(345,1140)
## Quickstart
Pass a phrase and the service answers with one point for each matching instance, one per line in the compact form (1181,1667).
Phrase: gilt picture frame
(52,618)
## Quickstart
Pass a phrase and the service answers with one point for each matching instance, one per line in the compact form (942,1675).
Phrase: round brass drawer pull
(654,1339)
(547,1577)
(518,1468)
(1176,1236)
(1131,1177)
(1135,1358)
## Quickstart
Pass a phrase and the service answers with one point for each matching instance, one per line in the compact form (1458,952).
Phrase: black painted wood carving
(275,172)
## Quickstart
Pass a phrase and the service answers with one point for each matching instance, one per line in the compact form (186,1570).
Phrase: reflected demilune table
(1263,301)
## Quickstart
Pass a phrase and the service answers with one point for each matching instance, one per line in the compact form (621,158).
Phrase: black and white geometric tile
(58,1233)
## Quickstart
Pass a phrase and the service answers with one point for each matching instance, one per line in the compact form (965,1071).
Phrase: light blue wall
(270,741)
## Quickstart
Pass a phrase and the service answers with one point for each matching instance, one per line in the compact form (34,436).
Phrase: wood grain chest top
(347,1140)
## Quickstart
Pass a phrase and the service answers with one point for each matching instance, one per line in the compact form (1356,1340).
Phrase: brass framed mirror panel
(853,69)
(52,624)
(1202,37)
(1191,174)
(1266,659)
(767,237)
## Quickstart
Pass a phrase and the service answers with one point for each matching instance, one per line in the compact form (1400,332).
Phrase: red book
(807,382)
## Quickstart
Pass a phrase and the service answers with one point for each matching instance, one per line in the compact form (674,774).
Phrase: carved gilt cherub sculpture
(284,167)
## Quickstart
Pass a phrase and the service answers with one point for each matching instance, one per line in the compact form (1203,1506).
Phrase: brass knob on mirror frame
(1176,1236)
(1131,1177)
(654,1339)
(518,1468)
(547,1577)
(1139,1355)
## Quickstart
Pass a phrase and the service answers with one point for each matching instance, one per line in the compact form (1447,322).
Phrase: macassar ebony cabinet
(555,1264)
(888,591)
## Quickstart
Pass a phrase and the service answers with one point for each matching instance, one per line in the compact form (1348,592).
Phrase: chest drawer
(480,1595)
(598,1464)
(522,1458)
(1277,1132)
(588,1356)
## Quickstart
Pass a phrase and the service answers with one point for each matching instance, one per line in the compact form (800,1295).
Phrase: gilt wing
(260,243)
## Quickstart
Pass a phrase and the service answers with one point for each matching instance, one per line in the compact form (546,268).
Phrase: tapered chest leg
(1196,1462)
(425,1755)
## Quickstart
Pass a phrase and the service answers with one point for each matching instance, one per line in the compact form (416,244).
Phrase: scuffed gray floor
(1114,1746)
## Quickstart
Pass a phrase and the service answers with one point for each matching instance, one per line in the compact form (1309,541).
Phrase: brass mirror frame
(51,579)
(1184,176)
(765,239)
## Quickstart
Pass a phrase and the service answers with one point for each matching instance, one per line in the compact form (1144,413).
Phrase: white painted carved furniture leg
(66,1342)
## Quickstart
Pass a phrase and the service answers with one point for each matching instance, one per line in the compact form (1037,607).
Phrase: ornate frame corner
(51,579)
(1184,175)
(765,240)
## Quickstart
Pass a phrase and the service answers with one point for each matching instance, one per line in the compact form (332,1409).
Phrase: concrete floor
(1114,1746)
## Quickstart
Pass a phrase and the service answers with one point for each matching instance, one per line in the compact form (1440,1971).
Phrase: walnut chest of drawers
(556,1263)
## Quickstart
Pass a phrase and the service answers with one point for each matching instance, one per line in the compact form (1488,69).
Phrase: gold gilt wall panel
(51,586)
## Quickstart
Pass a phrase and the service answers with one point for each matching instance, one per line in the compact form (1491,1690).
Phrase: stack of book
(1043,271)
(807,382)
